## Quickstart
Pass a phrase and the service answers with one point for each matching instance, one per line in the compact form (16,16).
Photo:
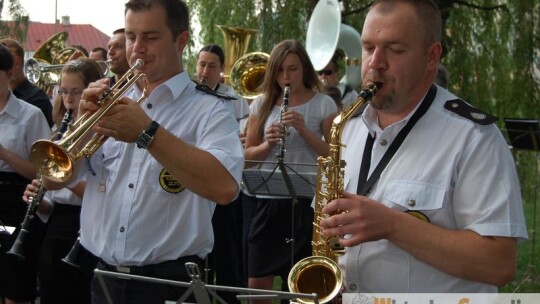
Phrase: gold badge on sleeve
(169,183)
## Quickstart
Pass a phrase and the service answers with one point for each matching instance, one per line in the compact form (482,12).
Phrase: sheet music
(267,183)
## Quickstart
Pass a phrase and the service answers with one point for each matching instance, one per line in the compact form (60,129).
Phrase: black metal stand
(300,181)
(203,292)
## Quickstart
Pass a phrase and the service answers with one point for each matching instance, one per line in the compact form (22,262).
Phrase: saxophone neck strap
(364,186)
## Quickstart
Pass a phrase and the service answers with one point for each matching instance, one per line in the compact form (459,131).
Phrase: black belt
(153,269)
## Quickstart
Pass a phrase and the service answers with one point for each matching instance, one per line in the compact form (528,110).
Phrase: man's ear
(182,40)
(434,55)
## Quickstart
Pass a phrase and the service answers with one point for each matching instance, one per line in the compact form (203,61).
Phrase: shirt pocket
(110,152)
(410,195)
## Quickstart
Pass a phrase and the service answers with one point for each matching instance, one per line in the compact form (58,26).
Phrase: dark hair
(216,49)
(82,49)
(14,44)
(271,88)
(6,58)
(428,13)
(103,52)
(176,10)
(89,71)
(118,31)
(335,93)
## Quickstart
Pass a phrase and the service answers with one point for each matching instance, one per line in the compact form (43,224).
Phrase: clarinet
(19,246)
(284,108)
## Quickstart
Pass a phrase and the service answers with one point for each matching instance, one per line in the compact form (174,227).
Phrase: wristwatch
(147,136)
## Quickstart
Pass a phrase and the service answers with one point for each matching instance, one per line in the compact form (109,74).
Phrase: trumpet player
(21,124)
(116,54)
(169,161)
(432,200)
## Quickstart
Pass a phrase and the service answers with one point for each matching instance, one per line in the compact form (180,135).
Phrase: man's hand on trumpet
(124,121)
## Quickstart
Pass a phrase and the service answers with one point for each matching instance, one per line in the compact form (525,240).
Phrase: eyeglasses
(75,93)
(325,72)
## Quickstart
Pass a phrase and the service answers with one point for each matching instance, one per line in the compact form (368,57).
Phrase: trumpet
(55,160)
(34,70)
(19,246)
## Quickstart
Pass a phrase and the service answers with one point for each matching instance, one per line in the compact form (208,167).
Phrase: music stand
(524,134)
(274,183)
(202,291)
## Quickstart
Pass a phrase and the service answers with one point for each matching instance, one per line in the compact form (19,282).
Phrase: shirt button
(411,203)
(383,142)
(122,229)
(149,105)
(352,287)
(130,186)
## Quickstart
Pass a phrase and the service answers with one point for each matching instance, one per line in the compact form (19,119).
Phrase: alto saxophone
(320,272)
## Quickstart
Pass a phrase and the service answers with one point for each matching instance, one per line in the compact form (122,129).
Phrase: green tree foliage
(19,25)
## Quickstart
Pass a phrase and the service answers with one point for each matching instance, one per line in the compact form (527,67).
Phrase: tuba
(236,44)
(325,34)
(43,69)
(247,74)
(55,160)
(320,272)
(244,72)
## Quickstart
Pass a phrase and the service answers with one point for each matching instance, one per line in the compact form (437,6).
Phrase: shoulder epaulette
(206,89)
(464,109)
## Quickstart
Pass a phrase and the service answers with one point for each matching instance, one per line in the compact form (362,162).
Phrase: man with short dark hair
(432,200)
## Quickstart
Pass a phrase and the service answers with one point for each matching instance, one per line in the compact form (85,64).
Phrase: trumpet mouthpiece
(139,63)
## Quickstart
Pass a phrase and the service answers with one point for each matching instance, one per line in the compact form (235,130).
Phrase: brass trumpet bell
(55,160)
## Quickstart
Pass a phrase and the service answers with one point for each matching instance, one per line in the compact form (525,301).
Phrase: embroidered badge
(169,183)
(479,116)
(419,215)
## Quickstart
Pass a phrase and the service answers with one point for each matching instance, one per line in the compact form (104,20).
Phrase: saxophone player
(432,199)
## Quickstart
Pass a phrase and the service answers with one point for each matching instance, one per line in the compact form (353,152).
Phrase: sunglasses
(325,72)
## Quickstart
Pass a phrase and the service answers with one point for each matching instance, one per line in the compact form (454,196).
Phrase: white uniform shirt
(297,150)
(240,105)
(460,174)
(21,124)
(143,217)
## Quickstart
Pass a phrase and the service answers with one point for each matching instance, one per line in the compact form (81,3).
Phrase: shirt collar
(372,122)
(12,107)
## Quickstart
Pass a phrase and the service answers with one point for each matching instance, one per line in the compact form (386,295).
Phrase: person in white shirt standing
(432,199)
(148,208)
(21,124)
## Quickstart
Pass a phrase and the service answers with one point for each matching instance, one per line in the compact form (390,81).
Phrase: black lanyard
(364,184)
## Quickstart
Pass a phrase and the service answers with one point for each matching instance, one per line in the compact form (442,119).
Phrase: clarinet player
(60,282)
